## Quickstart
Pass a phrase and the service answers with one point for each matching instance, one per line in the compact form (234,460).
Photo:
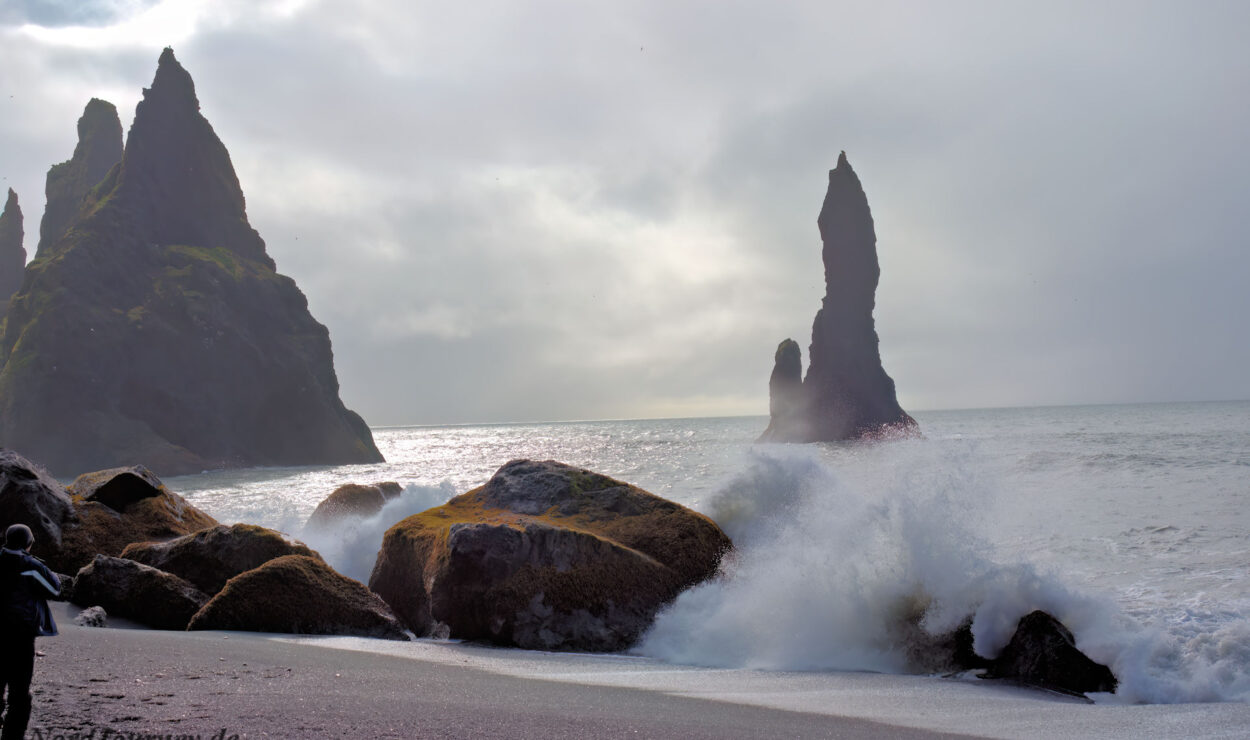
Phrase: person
(25,585)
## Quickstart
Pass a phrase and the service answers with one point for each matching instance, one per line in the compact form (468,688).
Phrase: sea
(1130,523)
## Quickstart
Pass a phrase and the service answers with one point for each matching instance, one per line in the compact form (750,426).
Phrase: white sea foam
(855,570)
(351,543)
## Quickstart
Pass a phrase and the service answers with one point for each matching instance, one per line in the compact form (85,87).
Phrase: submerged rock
(847,393)
(12,253)
(99,148)
(211,557)
(154,328)
(1043,652)
(545,556)
(300,595)
(138,592)
(353,500)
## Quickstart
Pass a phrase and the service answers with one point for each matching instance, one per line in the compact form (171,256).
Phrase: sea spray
(350,545)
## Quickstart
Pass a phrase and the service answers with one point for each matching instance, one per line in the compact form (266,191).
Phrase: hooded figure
(25,586)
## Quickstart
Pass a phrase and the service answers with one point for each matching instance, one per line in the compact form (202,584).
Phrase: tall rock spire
(99,148)
(12,253)
(846,394)
(155,330)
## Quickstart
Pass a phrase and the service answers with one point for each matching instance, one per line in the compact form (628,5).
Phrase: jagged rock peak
(99,148)
(12,254)
(172,82)
(846,394)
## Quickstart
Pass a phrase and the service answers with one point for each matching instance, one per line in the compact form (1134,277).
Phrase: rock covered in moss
(12,253)
(156,322)
(213,556)
(138,592)
(117,488)
(71,530)
(353,500)
(545,556)
(300,595)
(99,148)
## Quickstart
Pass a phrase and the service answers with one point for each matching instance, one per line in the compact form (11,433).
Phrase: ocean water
(1129,523)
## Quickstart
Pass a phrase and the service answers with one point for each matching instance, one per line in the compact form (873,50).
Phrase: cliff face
(155,330)
(99,148)
(12,253)
(846,394)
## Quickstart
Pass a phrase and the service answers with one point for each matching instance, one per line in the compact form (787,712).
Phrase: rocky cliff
(846,394)
(99,148)
(154,329)
(12,253)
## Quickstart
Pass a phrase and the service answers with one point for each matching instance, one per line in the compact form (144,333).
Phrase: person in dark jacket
(25,585)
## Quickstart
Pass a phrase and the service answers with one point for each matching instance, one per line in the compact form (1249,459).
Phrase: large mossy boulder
(213,556)
(71,529)
(138,592)
(298,594)
(545,556)
(352,500)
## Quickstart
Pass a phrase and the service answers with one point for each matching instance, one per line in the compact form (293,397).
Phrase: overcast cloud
(555,210)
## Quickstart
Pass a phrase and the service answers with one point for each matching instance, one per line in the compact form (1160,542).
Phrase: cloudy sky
(540,210)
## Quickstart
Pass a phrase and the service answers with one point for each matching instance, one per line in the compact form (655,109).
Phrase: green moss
(220,256)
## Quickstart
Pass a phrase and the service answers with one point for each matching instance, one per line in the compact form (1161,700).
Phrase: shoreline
(124,683)
(137,682)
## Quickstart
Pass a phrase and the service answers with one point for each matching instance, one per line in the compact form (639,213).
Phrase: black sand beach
(139,683)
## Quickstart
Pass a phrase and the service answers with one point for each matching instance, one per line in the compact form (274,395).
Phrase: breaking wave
(855,558)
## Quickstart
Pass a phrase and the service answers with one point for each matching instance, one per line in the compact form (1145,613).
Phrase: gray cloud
(557,210)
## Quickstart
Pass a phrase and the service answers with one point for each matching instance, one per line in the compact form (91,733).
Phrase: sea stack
(153,329)
(12,253)
(846,394)
(99,148)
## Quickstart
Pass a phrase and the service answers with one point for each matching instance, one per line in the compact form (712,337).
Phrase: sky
(523,211)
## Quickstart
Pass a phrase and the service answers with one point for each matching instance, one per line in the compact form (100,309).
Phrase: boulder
(545,556)
(117,488)
(92,616)
(138,592)
(30,496)
(301,595)
(70,530)
(353,500)
(213,556)
(1043,652)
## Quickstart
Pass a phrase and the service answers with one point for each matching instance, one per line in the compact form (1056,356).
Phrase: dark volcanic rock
(846,394)
(213,556)
(117,488)
(785,389)
(1043,652)
(30,496)
(545,556)
(12,253)
(138,592)
(301,595)
(353,500)
(71,530)
(99,148)
(155,329)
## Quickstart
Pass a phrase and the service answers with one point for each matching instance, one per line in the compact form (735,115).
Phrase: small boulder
(117,488)
(213,556)
(30,496)
(92,616)
(545,556)
(138,592)
(298,594)
(1043,652)
(353,499)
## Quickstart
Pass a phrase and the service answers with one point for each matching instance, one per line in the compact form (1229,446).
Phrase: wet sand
(136,683)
